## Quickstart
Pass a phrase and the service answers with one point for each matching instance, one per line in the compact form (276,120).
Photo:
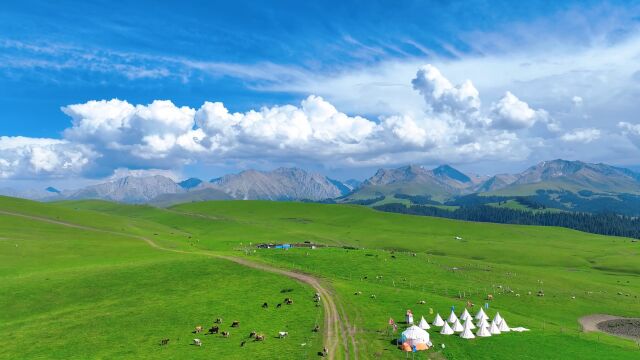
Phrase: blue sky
(563,60)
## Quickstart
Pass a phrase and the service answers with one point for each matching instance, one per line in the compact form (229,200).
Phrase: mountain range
(570,185)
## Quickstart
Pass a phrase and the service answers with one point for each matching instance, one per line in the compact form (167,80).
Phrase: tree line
(603,223)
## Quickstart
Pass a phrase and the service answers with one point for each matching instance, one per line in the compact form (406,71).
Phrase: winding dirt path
(336,323)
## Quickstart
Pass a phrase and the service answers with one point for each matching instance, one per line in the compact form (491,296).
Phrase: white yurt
(424,325)
(465,315)
(497,318)
(457,326)
(468,321)
(446,329)
(483,332)
(493,328)
(480,315)
(503,326)
(452,318)
(467,333)
(438,320)
(482,323)
(415,336)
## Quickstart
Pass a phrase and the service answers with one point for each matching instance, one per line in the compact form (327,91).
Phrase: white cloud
(512,113)
(23,157)
(577,101)
(442,96)
(115,134)
(582,135)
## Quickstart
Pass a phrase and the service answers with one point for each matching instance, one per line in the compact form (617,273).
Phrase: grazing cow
(214,330)
(316,328)
(235,324)
(489,297)
(282,334)
(259,337)
(198,329)
(218,321)
(325,351)
(265,305)
(373,296)
(164,342)
(197,342)
(279,305)
(252,334)
(422,302)
(225,334)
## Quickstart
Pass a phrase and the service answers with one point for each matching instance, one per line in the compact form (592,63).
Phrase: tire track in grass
(333,324)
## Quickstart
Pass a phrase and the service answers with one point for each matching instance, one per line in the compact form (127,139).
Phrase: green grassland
(102,295)
(68,293)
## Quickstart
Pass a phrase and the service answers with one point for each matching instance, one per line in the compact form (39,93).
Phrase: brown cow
(198,329)
(259,337)
(489,297)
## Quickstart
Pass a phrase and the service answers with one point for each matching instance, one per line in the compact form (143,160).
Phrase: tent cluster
(465,324)
(417,338)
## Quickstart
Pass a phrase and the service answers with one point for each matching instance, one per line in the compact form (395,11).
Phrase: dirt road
(337,330)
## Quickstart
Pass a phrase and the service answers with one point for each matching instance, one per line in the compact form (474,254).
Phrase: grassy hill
(70,293)
(131,295)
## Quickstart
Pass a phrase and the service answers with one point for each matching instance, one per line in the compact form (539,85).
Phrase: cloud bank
(107,136)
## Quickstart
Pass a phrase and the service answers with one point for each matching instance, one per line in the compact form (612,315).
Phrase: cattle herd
(217,323)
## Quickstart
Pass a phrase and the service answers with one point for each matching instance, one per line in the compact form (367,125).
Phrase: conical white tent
(482,323)
(424,325)
(414,336)
(497,318)
(468,321)
(438,320)
(446,329)
(467,333)
(452,318)
(465,315)
(483,332)
(493,328)
(457,326)
(480,314)
(503,326)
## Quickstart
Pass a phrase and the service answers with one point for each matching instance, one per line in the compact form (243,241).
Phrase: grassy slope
(563,262)
(71,293)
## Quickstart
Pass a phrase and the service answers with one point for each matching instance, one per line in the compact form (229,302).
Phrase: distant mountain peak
(450,172)
(190,183)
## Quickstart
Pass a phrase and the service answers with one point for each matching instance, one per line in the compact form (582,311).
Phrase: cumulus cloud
(577,101)
(512,113)
(23,157)
(108,135)
(442,96)
(582,135)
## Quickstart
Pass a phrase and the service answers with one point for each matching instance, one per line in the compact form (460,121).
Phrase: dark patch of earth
(624,327)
